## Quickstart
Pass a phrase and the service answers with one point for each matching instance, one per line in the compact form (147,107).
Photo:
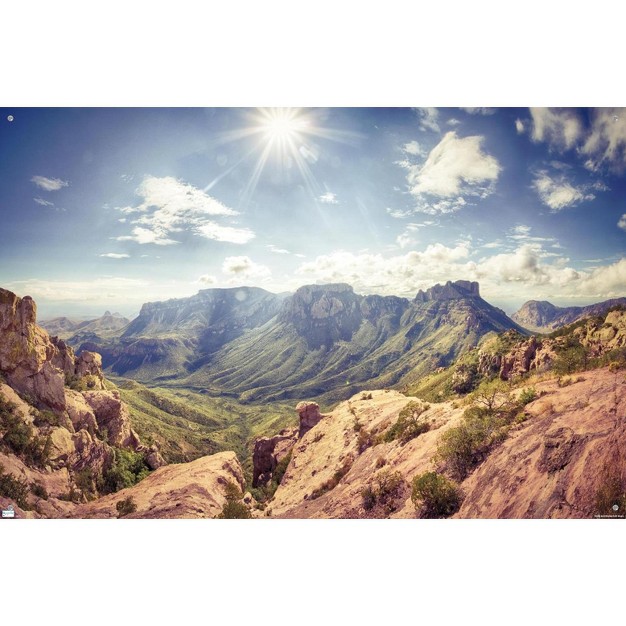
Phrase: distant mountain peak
(449,291)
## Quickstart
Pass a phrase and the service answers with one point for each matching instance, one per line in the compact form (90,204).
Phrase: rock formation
(267,454)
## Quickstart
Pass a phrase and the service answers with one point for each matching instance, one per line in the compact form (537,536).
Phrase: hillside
(327,342)
(544,317)
(76,332)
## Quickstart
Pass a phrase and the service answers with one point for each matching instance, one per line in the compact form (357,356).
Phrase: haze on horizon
(110,208)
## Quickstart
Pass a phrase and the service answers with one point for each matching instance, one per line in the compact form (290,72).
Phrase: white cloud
(115,255)
(455,167)
(413,148)
(397,213)
(49,184)
(479,110)
(276,250)
(519,126)
(404,240)
(453,122)
(244,267)
(428,119)
(43,202)
(622,222)
(606,143)
(557,192)
(211,230)
(329,198)
(561,128)
(206,279)
(145,235)
(170,205)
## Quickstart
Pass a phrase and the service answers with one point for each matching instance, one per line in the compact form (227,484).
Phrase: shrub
(384,491)
(572,357)
(380,462)
(17,434)
(614,366)
(15,489)
(527,396)
(364,440)
(234,508)
(125,507)
(564,381)
(281,468)
(46,418)
(39,490)
(409,424)
(493,395)
(366,396)
(435,495)
(85,480)
(331,483)
(127,469)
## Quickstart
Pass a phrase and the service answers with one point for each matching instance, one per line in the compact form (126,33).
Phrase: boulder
(112,414)
(61,447)
(89,364)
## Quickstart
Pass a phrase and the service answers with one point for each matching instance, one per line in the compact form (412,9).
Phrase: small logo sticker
(9,512)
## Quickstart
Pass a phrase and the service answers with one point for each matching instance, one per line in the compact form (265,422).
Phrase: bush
(85,480)
(126,507)
(384,491)
(435,495)
(127,469)
(614,366)
(15,489)
(364,440)
(330,484)
(527,396)
(234,508)
(409,424)
(463,447)
(46,418)
(572,357)
(17,434)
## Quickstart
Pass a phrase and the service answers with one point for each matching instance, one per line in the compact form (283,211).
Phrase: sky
(105,209)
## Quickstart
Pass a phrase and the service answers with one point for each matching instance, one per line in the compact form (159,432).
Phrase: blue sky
(109,208)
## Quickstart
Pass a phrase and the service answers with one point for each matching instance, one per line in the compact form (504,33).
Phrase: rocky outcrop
(267,454)
(185,490)
(449,291)
(89,366)
(309,414)
(112,416)
(524,357)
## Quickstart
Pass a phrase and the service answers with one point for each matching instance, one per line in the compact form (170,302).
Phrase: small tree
(494,395)
(435,495)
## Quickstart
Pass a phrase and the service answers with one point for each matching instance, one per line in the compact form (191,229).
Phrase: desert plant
(234,508)
(15,489)
(435,495)
(126,507)
(410,423)
(127,468)
(46,418)
(364,440)
(383,491)
(527,396)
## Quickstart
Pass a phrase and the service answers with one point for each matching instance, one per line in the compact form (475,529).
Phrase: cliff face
(59,443)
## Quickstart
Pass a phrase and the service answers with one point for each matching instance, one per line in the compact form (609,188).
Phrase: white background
(278,53)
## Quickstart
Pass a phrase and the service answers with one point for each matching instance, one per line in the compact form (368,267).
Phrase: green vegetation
(127,469)
(410,424)
(435,495)
(383,491)
(15,489)
(46,418)
(234,508)
(484,425)
(572,357)
(125,507)
(527,396)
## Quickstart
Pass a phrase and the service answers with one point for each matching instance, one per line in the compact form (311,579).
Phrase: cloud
(413,148)
(398,214)
(115,255)
(479,110)
(622,222)
(519,126)
(244,267)
(561,128)
(404,240)
(276,250)
(211,230)
(557,192)
(206,279)
(455,167)
(329,198)
(428,117)
(170,205)
(43,202)
(606,143)
(49,184)
(146,235)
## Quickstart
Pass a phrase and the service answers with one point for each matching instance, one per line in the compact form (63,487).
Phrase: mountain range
(542,316)
(323,341)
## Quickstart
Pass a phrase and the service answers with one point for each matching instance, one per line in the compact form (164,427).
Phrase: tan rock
(61,446)
(112,414)
(183,490)
(89,364)
(309,413)
(80,413)
(268,452)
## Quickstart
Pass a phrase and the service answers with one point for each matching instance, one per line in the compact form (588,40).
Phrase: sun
(282,125)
